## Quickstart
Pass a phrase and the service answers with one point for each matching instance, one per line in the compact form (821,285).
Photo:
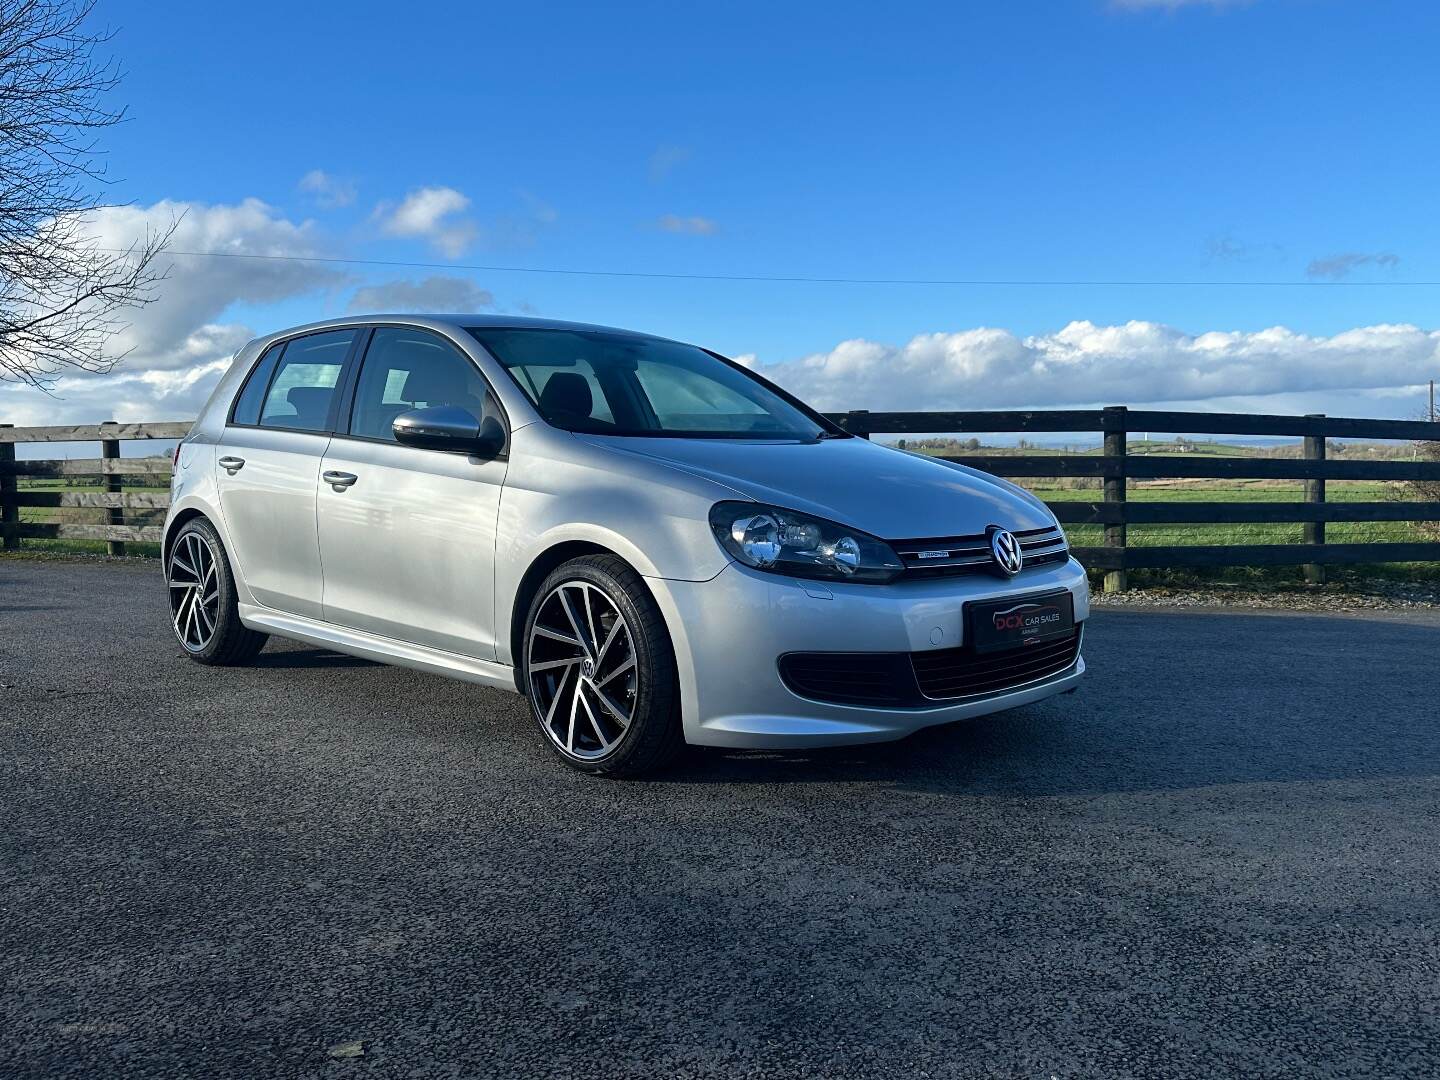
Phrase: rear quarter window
(252,396)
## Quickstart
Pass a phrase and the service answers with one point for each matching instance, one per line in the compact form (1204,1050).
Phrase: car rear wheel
(600,670)
(204,607)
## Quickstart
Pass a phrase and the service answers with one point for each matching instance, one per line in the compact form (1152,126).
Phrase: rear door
(268,467)
(407,536)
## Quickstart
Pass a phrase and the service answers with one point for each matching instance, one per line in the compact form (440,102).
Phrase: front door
(268,465)
(407,536)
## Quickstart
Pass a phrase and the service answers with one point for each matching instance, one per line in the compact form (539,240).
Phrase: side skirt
(382,649)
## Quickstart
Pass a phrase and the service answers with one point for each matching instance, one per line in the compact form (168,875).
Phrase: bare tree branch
(61,292)
(1425,490)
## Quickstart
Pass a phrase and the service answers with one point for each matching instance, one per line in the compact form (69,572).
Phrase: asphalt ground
(1219,858)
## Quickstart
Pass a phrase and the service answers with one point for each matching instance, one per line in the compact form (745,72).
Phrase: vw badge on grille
(1005,550)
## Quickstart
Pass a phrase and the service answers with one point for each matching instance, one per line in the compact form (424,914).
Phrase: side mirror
(492,438)
(452,429)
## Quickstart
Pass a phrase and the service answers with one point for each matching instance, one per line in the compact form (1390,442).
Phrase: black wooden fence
(1115,467)
(129,515)
(115,509)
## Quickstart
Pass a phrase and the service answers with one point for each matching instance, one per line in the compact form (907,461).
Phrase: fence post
(1315,494)
(110,451)
(1115,431)
(9,506)
(857,422)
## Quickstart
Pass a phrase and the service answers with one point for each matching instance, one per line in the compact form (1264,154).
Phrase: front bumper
(730,631)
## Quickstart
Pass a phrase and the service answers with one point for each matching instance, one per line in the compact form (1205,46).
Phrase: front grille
(948,674)
(912,680)
(944,556)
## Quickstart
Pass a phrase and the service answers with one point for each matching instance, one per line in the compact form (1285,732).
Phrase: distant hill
(1345,451)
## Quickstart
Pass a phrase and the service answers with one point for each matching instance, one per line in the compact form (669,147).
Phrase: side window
(412,369)
(247,405)
(305,381)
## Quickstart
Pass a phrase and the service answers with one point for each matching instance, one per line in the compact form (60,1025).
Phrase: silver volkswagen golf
(651,543)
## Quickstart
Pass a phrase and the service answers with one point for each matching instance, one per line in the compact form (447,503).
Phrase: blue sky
(1283,141)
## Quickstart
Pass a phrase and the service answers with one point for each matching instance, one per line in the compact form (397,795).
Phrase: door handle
(339,480)
(232,465)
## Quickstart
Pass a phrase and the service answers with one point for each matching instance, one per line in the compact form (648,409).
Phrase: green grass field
(1338,532)
(1210,491)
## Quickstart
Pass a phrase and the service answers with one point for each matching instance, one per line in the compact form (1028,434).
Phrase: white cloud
(329,191)
(695,226)
(1336,267)
(1226,247)
(435,293)
(665,160)
(197,291)
(1378,370)
(519,229)
(432,213)
(1084,364)
(439,215)
(175,348)
(126,395)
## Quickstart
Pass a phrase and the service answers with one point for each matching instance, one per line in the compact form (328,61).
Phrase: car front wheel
(600,670)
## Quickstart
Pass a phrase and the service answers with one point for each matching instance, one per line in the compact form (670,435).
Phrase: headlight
(788,542)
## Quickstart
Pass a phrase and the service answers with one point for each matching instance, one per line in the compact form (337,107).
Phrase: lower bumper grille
(874,679)
(951,674)
(913,680)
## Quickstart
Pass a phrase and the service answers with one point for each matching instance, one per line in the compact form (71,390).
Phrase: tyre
(600,669)
(204,608)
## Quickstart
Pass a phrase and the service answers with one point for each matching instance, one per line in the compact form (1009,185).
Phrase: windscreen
(621,384)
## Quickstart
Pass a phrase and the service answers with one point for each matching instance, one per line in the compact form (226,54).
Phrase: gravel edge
(1349,596)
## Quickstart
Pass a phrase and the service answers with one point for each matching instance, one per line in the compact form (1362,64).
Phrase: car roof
(523,322)
(458,321)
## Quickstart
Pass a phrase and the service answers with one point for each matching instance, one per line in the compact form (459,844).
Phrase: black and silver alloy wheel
(599,669)
(204,605)
(580,660)
(194,579)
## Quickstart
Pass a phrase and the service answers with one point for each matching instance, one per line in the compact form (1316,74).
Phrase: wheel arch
(178,523)
(538,570)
